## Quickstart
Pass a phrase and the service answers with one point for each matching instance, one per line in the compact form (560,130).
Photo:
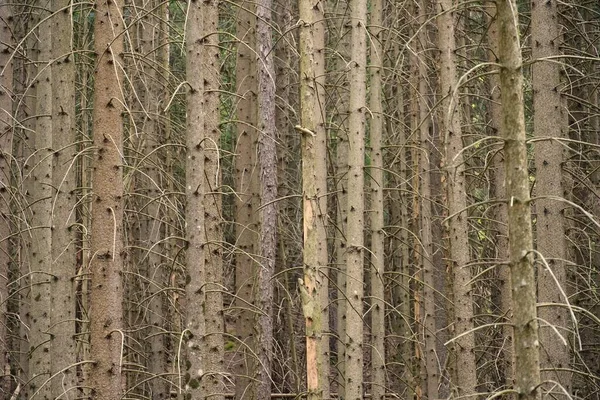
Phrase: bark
(464,367)
(107,256)
(62,308)
(499,228)
(426,314)
(339,37)
(314,182)
(549,127)
(267,160)
(25,115)
(246,186)
(417,363)
(288,176)
(204,326)
(355,208)
(41,217)
(399,213)
(377,267)
(526,340)
(6,144)
(213,382)
(84,182)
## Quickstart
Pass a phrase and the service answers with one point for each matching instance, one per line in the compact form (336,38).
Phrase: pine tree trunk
(204,374)
(377,267)
(426,315)
(214,366)
(463,368)
(62,309)
(267,161)
(6,144)
(246,186)
(499,228)
(314,182)
(107,257)
(525,325)
(338,81)
(355,208)
(41,216)
(549,126)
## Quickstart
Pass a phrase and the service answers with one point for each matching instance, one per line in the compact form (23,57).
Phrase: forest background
(322,199)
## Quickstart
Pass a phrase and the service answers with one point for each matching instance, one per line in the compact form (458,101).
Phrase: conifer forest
(303,199)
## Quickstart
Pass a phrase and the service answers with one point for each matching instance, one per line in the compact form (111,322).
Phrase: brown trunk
(526,347)
(246,186)
(314,183)
(267,162)
(426,313)
(463,368)
(41,216)
(62,310)
(6,138)
(550,231)
(106,297)
(355,206)
(213,381)
(377,267)
(499,228)
(338,80)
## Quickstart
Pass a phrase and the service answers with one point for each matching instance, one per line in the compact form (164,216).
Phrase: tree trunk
(213,381)
(246,186)
(6,144)
(377,267)
(314,182)
(106,297)
(41,216)
(62,309)
(425,313)
(499,229)
(338,81)
(267,160)
(204,366)
(526,347)
(464,368)
(549,127)
(355,208)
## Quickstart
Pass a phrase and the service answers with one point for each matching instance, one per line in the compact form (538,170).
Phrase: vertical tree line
(314,199)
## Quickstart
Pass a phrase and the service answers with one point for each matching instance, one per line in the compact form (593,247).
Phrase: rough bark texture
(199,379)
(549,127)
(340,38)
(25,87)
(499,228)
(417,362)
(429,372)
(525,325)
(213,382)
(41,216)
(6,137)
(400,242)
(62,309)
(267,160)
(246,186)
(314,183)
(288,176)
(355,212)
(377,267)
(463,368)
(107,256)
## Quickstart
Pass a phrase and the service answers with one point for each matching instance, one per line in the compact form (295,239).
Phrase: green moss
(194,383)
